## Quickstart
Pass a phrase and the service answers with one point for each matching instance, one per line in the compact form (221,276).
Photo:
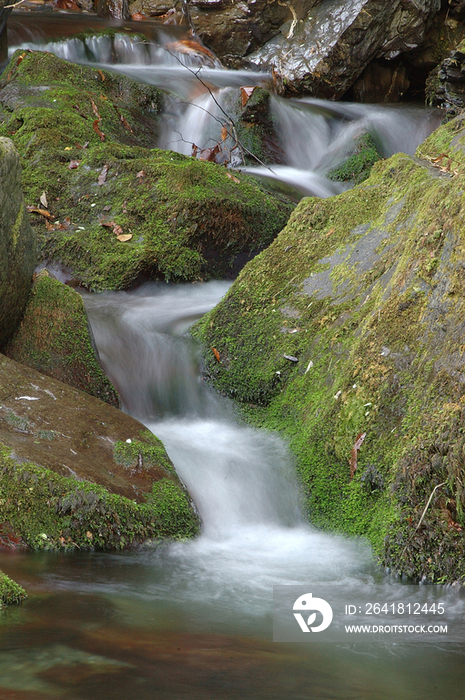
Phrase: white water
(314,135)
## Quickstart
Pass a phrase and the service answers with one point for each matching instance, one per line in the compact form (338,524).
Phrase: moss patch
(55,338)
(351,323)
(357,166)
(10,591)
(187,219)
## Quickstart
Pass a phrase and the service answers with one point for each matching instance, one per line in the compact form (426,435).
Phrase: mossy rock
(10,591)
(357,166)
(18,248)
(78,473)
(184,219)
(55,338)
(351,324)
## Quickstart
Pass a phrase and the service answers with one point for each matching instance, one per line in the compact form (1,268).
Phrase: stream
(194,619)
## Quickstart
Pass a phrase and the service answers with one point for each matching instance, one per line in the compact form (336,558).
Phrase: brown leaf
(42,212)
(209,153)
(20,58)
(224,132)
(117,230)
(138,17)
(141,174)
(189,46)
(107,224)
(125,123)
(101,74)
(99,133)
(216,354)
(353,455)
(195,150)
(103,175)
(234,179)
(246,94)
(69,5)
(74,164)
(124,237)
(94,109)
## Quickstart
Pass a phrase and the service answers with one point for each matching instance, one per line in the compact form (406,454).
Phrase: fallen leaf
(138,17)
(117,230)
(89,534)
(107,224)
(141,174)
(195,150)
(246,94)
(224,132)
(331,230)
(216,354)
(20,58)
(209,154)
(94,109)
(42,212)
(107,208)
(353,455)
(124,237)
(125,123)
(234,179)
(99,133)
(43,200)
(74,164)
(103,175)
(101,74)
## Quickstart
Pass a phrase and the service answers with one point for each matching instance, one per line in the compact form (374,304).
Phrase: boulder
(120,211)
(446,83)
(18,248)
(330,48)
(77,472)
(346,335)
(55,338)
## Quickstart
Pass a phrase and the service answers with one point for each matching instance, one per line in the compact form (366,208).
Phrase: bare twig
(429,501)
(15,4)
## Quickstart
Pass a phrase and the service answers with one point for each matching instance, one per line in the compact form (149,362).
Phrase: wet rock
(446,84)
(79,473)
(381,82)
(356,167)
(119,9)
(121,211)
(18,247)
(330,48)
(377,278)
(237,28)
(55,338)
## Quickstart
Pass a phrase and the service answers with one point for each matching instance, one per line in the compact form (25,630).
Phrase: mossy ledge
(55,338)
(83,139)
(351,323)
(10,591)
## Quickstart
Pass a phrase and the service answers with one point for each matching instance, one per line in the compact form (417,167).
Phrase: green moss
(137,454)
(357,167)
(187,219)
(53,512)
(55,338)
(366,291)
(10,591)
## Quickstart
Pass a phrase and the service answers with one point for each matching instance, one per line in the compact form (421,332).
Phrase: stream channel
(194,619)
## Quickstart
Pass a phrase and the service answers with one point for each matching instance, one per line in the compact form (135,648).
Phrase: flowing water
(194,619)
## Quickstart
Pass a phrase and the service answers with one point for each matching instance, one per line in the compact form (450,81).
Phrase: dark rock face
(447,82)
(331,47)
(17,243)
(237,28)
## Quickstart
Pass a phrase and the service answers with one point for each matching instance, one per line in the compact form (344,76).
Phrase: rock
(237,28)
(55,338)
(446,83)
(370,287)
(333,45)
(18,248)
(118,9)
(124,212)
(381,82)
(79,473)
(356,167)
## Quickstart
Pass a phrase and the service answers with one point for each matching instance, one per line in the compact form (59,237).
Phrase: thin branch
(9,7)
(429,501)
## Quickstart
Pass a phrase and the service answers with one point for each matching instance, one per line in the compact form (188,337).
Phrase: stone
(77,472)
(376,279)
(18,248)
(55,338)
(337,40)
(122,212)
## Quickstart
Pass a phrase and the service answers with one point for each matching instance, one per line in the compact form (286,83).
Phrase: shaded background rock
(446,83)
(18,248)
(55,338)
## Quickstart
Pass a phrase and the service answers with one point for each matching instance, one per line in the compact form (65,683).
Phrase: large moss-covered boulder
(347,335)
(55,338)
(17,243)
(118,210)
(76,472)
